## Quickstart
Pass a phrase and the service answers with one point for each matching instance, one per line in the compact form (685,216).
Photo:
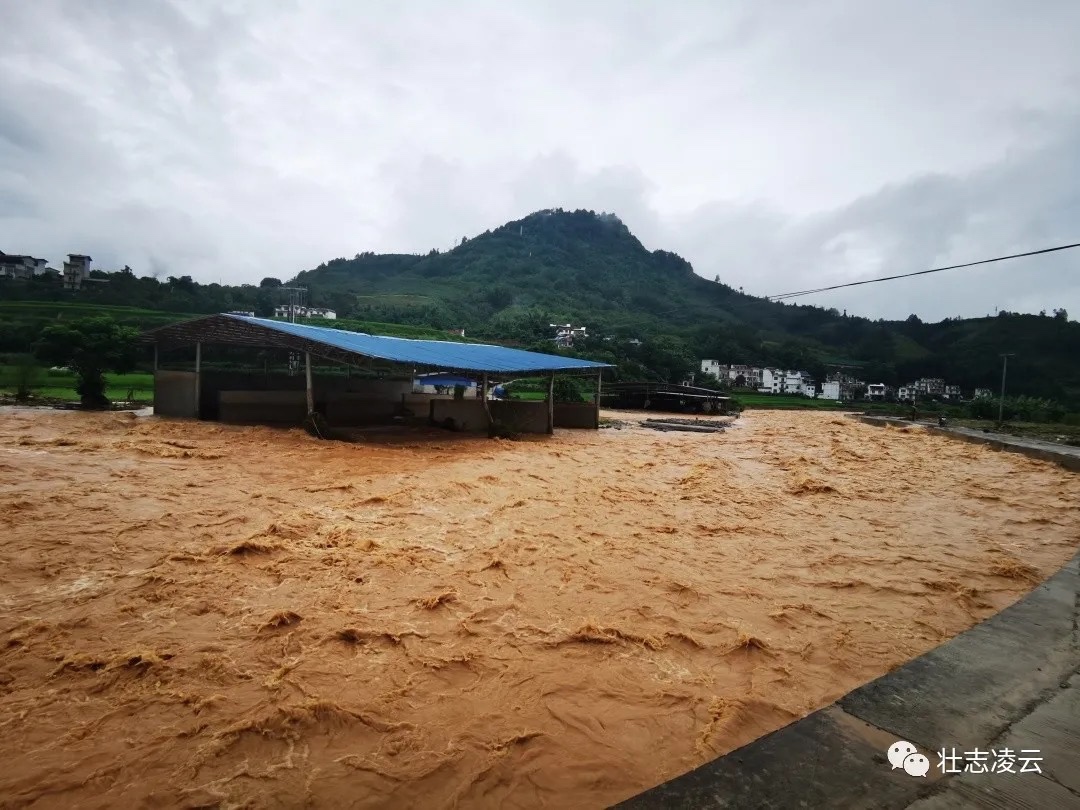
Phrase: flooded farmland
(195,614)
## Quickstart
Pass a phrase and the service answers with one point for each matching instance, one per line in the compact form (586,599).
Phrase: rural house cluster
(837,386)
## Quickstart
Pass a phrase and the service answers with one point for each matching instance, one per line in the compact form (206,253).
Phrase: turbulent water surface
(202,615)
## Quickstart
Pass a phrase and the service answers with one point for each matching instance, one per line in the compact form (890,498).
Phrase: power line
(921,272)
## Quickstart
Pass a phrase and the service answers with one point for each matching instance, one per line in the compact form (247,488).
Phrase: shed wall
(174,394)
(576,415)
(468,414)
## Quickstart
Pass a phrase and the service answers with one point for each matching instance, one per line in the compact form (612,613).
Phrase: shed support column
(551,404)
(198,380)
(310,389)
(155,357)
(599,381)
(487,405)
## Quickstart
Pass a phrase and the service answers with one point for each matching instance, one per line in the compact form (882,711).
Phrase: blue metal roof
(479,357)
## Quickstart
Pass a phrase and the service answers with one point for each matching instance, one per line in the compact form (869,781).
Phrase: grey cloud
(780,145)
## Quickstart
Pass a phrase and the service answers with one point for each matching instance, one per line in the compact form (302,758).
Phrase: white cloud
(780,145)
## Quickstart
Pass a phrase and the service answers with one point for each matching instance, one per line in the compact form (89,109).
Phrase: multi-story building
(566,334)
(744,376)
(714,367)
(841,387)
(830,389)
(772,381)
(76,271)
(876,391)
(737,375)
(953,392)
(780,381)
(930,386)
(20,267)
(905,393)
(983,393)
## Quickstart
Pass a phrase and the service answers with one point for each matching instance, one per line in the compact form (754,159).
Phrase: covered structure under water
(235,368)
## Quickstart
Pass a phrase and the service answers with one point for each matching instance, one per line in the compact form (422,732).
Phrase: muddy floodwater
(202,615)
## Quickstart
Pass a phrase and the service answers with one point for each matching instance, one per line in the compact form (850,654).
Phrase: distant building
(905,393)
(76,271)
(20,267)
(737,375)
(779,381)
(983,393)
(456,332)
(772,381)
(876,391)
(842,388)
(930,386)
(286,310)
(713,367)
(953,392)
(566,334)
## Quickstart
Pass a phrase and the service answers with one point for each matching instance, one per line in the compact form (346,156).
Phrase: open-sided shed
(382,386)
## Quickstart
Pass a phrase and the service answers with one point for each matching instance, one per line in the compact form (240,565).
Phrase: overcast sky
(779,145)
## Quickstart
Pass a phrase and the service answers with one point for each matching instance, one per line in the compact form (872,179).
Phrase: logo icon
(898,751)
(916,764)
(903,754)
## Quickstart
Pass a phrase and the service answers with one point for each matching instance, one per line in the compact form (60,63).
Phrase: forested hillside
(646,311)
(579,266)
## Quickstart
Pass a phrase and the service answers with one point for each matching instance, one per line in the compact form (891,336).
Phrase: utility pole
(1001,401)
(296,300)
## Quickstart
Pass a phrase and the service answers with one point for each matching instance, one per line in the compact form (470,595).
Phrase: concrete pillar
(310,388)
(551,404)
(198,380)
(599,382)
(487,405)
(155,357)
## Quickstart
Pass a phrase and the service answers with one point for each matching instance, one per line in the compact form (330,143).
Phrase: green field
(60,385)
(38,311)
(788,402)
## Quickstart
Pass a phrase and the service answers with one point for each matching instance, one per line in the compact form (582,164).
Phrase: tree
(27,373)
(1061,314)
(270,281)
(566,390)
(90,347)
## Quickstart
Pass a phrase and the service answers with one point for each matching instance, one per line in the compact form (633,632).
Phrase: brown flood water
(204,615)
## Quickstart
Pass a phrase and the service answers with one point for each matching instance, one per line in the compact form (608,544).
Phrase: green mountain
(647,311)
(588,268)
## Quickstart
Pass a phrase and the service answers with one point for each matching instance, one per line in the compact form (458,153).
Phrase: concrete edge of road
(1010,682)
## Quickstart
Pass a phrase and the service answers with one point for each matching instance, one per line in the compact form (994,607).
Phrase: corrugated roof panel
(439,353)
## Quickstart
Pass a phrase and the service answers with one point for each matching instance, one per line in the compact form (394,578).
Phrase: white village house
(285,310)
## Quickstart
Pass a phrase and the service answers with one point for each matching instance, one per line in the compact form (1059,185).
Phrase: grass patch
(61,385)
(1047,432)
